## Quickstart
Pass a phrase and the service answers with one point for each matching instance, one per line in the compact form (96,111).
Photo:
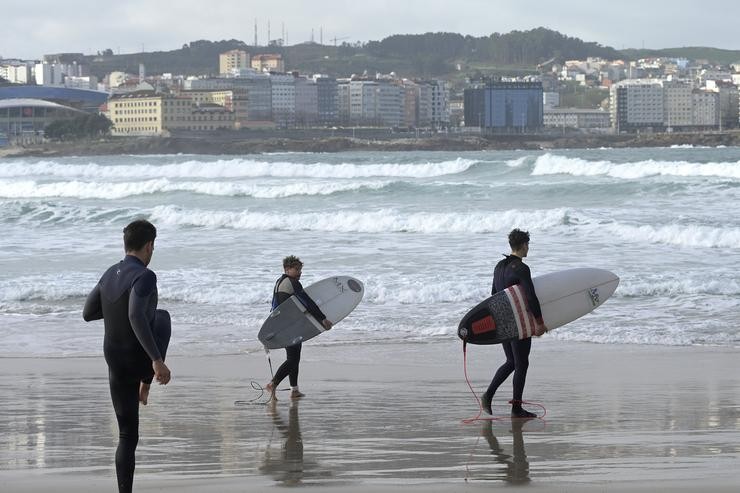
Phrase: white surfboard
(570,294)
(290,323)
(564,296)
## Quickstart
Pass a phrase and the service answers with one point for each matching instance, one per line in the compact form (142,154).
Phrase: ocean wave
(235,168)
(112,191)
(677,287)
(382,221)
(677,234)
(551,164)
(47,212)
(46,288)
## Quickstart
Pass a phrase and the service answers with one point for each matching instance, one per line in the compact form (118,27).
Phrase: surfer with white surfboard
(521,307)
(509,272)
(286,286)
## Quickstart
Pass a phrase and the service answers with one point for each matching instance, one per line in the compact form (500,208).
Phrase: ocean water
(423,230)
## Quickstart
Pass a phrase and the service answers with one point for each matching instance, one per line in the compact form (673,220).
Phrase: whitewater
(423,230)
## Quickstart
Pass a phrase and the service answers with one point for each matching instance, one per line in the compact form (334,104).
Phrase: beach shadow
(517,465)
(288,466)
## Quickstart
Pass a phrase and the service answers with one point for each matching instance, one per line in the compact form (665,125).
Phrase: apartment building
(150,114)
(306,102)
(658,104)
(49,74)
(389,104)
(728,102)
(87,82)
(233,61)
(327,95)
(343,101)
(283,99)
(256,86)
(440,103)
(16,72)
(234,100)
(637,104)
(137,114)
(577,118)
(268,62)
(411,98)
(678,104)
(705,111)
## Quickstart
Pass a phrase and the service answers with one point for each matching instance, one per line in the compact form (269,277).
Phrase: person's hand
(540,328)
(161,372)
(327,324)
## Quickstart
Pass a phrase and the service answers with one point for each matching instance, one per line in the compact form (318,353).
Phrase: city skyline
(35,28)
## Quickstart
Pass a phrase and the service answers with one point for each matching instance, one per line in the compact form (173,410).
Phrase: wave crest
(552,164)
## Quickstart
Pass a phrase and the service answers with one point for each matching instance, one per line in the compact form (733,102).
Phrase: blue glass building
(504,107)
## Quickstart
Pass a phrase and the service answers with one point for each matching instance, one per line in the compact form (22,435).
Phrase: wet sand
(386,418)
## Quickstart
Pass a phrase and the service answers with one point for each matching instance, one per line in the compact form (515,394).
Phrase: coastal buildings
(327,100)
(283,99)
(148,113)
(504,107)
(16,71)
(645,95)
(233,61)
(580,118)
(637,105)
(671,105)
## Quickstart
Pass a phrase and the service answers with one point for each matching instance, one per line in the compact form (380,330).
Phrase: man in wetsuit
(508,272)
(287,285)
(136,338)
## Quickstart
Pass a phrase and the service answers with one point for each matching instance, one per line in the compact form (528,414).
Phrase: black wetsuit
(508,272)
(136,333)
(282,292)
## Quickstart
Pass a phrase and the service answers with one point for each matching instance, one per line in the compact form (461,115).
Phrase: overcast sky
(32,28)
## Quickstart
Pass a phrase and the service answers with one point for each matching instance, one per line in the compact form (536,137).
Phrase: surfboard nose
(354,285)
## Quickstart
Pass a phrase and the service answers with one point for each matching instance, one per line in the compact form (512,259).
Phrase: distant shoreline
(261,142)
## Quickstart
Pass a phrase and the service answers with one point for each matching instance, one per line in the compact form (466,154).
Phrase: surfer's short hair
(137,234)
(518,238)
(292,261)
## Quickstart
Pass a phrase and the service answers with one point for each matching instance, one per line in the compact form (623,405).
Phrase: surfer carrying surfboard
(508,272)
(286,286)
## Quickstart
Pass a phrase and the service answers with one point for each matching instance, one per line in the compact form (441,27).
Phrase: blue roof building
(83,99)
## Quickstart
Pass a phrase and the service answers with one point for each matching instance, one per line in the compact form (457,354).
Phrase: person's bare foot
(270,388)
(144,392)
(296,394)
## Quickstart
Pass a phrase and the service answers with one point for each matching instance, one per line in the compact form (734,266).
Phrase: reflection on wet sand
(287,465)
(517,465)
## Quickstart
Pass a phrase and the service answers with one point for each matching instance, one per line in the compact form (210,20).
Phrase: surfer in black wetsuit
(136,338)
(287,285)
(508,272)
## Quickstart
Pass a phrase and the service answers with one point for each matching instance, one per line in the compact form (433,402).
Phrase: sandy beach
(386,417)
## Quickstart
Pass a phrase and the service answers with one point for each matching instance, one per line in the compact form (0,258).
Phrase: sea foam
(235,168)
(551,164)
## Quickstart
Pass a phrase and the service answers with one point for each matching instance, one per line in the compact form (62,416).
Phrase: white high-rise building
(677,104)
(637,104)
(49,74)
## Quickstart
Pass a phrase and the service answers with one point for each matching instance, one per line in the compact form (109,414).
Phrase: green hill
(410,55)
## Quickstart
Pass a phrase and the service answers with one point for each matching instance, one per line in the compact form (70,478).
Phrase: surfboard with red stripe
(564,296)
